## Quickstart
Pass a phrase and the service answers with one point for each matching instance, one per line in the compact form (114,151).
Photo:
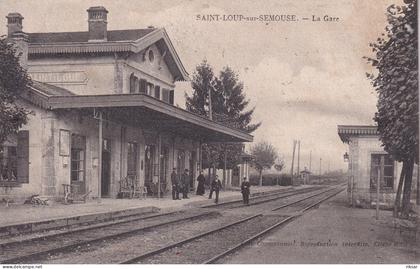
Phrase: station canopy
(137,110)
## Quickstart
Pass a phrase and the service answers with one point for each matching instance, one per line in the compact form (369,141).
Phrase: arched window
(133,83)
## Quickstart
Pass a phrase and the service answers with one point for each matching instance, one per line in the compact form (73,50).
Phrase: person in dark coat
(200,187)
(215,186)
(246,190)
(175,185)
(185,180)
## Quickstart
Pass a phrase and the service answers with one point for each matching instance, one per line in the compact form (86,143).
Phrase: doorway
(106,168)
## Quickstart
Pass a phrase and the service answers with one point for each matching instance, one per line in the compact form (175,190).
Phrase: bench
(72,194)
(130,188)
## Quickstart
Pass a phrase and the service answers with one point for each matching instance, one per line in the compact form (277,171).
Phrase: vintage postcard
(201,132)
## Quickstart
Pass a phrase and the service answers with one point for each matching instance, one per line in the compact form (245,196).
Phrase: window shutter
(143,86)
(23,156)
(133,81)
(157,92)
(171,97)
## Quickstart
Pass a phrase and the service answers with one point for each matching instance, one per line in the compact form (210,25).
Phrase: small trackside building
(103,109)
(368,162)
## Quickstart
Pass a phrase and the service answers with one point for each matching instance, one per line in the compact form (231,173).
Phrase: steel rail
(162,249)
(300,200)
(88,241)
(249,240)
(192,238)
(86,228)
(284,194)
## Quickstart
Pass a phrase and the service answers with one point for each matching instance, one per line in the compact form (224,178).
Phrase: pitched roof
(346,131)
(71,37)
(133,41)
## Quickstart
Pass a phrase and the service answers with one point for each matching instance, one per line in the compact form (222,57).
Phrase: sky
(303,77)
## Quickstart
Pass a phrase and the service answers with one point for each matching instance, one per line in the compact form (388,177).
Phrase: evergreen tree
(228,105)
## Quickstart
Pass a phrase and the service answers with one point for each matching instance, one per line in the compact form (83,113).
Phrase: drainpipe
(159,160)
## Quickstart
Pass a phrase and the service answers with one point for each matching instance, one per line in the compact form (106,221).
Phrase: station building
(103,109)
(368,161)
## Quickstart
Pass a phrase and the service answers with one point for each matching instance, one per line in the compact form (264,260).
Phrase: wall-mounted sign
(60,77)
(64,142)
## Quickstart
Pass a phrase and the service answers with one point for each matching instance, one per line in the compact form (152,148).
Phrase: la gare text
(264,18)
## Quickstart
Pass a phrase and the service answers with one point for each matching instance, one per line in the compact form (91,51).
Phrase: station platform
(22,216)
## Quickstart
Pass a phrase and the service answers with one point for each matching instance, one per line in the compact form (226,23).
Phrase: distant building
(103,104)
(304,175)
(368,162)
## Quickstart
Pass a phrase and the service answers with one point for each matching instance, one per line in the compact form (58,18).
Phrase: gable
(152,62)
(63,45)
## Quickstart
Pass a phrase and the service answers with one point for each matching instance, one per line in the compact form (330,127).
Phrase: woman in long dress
(200,187)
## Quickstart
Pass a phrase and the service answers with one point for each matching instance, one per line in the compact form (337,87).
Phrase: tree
(13,81)
(396,83)
(228,104)
(264,155)
(202,83)
(279,165)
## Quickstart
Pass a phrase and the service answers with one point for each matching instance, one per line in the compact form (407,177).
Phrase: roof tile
(67,37)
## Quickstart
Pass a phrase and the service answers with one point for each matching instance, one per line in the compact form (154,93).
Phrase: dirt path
(334,233)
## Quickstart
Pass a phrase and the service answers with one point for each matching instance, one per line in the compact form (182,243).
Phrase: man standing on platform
(215,186)
(245,189)
(185,181)
(175,185)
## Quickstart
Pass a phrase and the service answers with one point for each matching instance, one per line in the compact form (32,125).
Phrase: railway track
(43,247)
(263,199)
(27,249)
(212,245)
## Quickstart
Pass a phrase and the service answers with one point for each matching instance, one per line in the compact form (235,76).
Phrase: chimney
(19,38)
(14,23)
(97,23)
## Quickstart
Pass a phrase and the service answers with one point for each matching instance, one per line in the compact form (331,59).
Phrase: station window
(131,159)
(14,159)
(133,83)
(382,166)
(157,92)
(165,95)
(150,89)
(8,163)
(143,86)
(78,146)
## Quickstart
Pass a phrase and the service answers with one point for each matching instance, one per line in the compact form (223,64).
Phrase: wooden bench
(130,188)
(72,194)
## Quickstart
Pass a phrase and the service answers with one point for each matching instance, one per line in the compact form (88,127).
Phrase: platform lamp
(346,157)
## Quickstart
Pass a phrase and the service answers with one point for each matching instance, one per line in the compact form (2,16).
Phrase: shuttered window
(8,164)
(150,89)
(382,166)
(157,92)
(143,86)
(171,97)
(23,156)
(131,159)
(133,84)
(165,95)
(14,159)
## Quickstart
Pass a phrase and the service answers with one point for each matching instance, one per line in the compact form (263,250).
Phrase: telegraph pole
(293,158)
(298,164)
(310,161)
(320,162)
